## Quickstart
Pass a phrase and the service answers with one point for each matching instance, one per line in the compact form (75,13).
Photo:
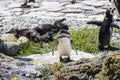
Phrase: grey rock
(8,37)
(9,48)
(46,12)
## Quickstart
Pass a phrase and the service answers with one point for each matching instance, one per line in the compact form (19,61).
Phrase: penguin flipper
(115,25)
(54,47)
(73,45)
(98,23)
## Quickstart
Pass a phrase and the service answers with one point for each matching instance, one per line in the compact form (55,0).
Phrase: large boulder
(8,37)
(23,41)
(105,67)
(9,48)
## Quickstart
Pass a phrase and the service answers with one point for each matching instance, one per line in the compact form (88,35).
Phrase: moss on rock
(101,68)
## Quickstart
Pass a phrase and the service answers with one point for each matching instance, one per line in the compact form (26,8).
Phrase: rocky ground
(27,68)
(12,16)
(47,11)
(105,67)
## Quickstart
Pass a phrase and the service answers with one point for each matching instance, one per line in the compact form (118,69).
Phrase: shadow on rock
(22,59)
(111,48)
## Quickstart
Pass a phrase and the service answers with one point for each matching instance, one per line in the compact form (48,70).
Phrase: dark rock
(9,48)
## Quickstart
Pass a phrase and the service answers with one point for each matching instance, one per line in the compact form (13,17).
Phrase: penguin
(73,1)
(31,34)
(64,45)
(99,23)
(51,29)
(24,5)
(116,5)
(106,31)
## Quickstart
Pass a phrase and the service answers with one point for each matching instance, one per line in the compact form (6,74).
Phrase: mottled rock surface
(19,68)
(29,67)
(105,67)
(8,37)
(47,11)
(23,41)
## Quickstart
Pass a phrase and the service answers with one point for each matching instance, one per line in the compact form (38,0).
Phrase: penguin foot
(61,59)
(65,60)
(101,48)
(112,48)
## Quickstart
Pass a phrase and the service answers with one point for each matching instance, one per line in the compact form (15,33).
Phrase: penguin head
(109,12)
(64,33)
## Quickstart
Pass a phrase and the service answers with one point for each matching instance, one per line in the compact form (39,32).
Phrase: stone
(9,48)
(23,41)
(51,6)
(105,67)
(8,37)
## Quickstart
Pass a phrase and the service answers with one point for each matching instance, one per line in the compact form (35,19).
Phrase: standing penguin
(64,48)
(24,5)
(106,30)
(64,45)
(73,1)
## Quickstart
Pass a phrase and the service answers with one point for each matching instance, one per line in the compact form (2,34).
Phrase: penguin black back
(105,30)
(107,20)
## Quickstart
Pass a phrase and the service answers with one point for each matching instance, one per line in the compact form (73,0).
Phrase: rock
(49,10)
(51,59)
(23,41)
(5,57)
(19,68)
(9,48)
(51,6)
(115,38)
(8,37)
(105,67)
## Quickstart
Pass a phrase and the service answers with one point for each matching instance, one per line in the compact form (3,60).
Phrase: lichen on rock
(105,67)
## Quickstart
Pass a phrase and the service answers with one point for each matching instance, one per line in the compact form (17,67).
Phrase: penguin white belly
(64,47)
